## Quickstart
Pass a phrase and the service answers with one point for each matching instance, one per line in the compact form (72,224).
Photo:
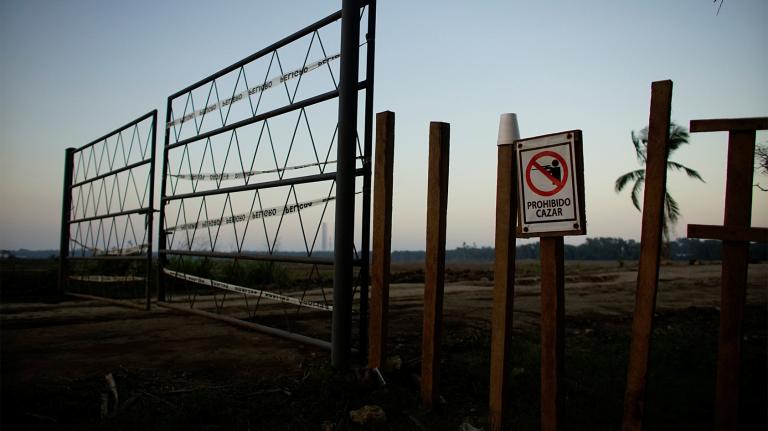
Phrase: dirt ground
(55,355)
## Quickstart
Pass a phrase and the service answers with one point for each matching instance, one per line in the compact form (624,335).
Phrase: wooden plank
(552,332)
(434,273)
(382,237)
(504,283)
(650,252)
(738,213)
(729,124)
(731,233)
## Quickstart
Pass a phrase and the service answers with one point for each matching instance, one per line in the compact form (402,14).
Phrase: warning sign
(550,185)
(546,179)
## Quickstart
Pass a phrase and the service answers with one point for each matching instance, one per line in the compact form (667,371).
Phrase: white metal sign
(550,185)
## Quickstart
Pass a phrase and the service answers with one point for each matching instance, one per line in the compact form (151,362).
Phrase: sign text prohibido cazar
(550,185)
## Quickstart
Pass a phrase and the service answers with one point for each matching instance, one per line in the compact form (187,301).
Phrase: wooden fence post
(552,331)
(382,237)
(434,273)
(504,268)
(650,251)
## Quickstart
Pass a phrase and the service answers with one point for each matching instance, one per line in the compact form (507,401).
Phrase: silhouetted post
(341,336)
(382,237)
(149,220)
(552,331)
(365,245)
(650,252)
(66,215)
(735,233)
(434,273)
(504,267)
(162,235)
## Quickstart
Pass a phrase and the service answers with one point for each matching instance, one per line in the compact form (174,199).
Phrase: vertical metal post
(382,237)
(434,271)
(150,216)
(552,331)
(504,269)
(66,215)
(738,213)
(650,252)
(370,38)
(345,185)
(162,244)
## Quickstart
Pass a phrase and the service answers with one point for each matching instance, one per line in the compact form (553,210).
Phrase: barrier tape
(106,278)
(248,291)
(130,251)
(253,215)
(254,90)
(238,175)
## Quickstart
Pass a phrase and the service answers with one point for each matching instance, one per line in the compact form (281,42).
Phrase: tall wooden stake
(736,234)
(504,269)
(552,331)
(434,274)
(382,237)
(738,211)
(650,251)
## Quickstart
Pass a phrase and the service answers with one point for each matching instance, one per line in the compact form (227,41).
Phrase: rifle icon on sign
(553,170)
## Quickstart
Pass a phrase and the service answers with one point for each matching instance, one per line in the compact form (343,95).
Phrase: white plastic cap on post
(508,129)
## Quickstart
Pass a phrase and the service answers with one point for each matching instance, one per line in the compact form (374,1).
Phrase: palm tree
(761,163)
(678,135)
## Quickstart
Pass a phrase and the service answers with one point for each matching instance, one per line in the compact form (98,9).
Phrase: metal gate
(251,181)
(107,212)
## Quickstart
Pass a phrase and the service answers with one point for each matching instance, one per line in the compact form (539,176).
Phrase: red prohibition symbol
(556,172)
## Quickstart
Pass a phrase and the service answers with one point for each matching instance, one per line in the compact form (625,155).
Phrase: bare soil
(175,371)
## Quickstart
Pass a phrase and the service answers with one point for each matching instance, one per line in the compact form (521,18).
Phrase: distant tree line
(601,248)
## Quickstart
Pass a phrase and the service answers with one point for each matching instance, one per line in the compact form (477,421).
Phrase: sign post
(541,181)
(550,206)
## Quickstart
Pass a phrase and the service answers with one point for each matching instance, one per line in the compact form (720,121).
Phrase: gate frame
(347,91)
(148,211)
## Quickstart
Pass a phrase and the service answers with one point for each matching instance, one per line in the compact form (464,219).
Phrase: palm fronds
(678,136)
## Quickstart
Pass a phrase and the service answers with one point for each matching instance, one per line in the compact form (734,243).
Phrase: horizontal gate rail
(114,172)
(143,210)
(125,258)
(269,49)
(257,257)
(265,116)
(259,186)
(117,131)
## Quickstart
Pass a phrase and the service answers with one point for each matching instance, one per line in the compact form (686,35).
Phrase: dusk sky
(72,71)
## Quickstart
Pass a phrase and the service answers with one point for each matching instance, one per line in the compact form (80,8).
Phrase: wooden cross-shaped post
(736,233)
